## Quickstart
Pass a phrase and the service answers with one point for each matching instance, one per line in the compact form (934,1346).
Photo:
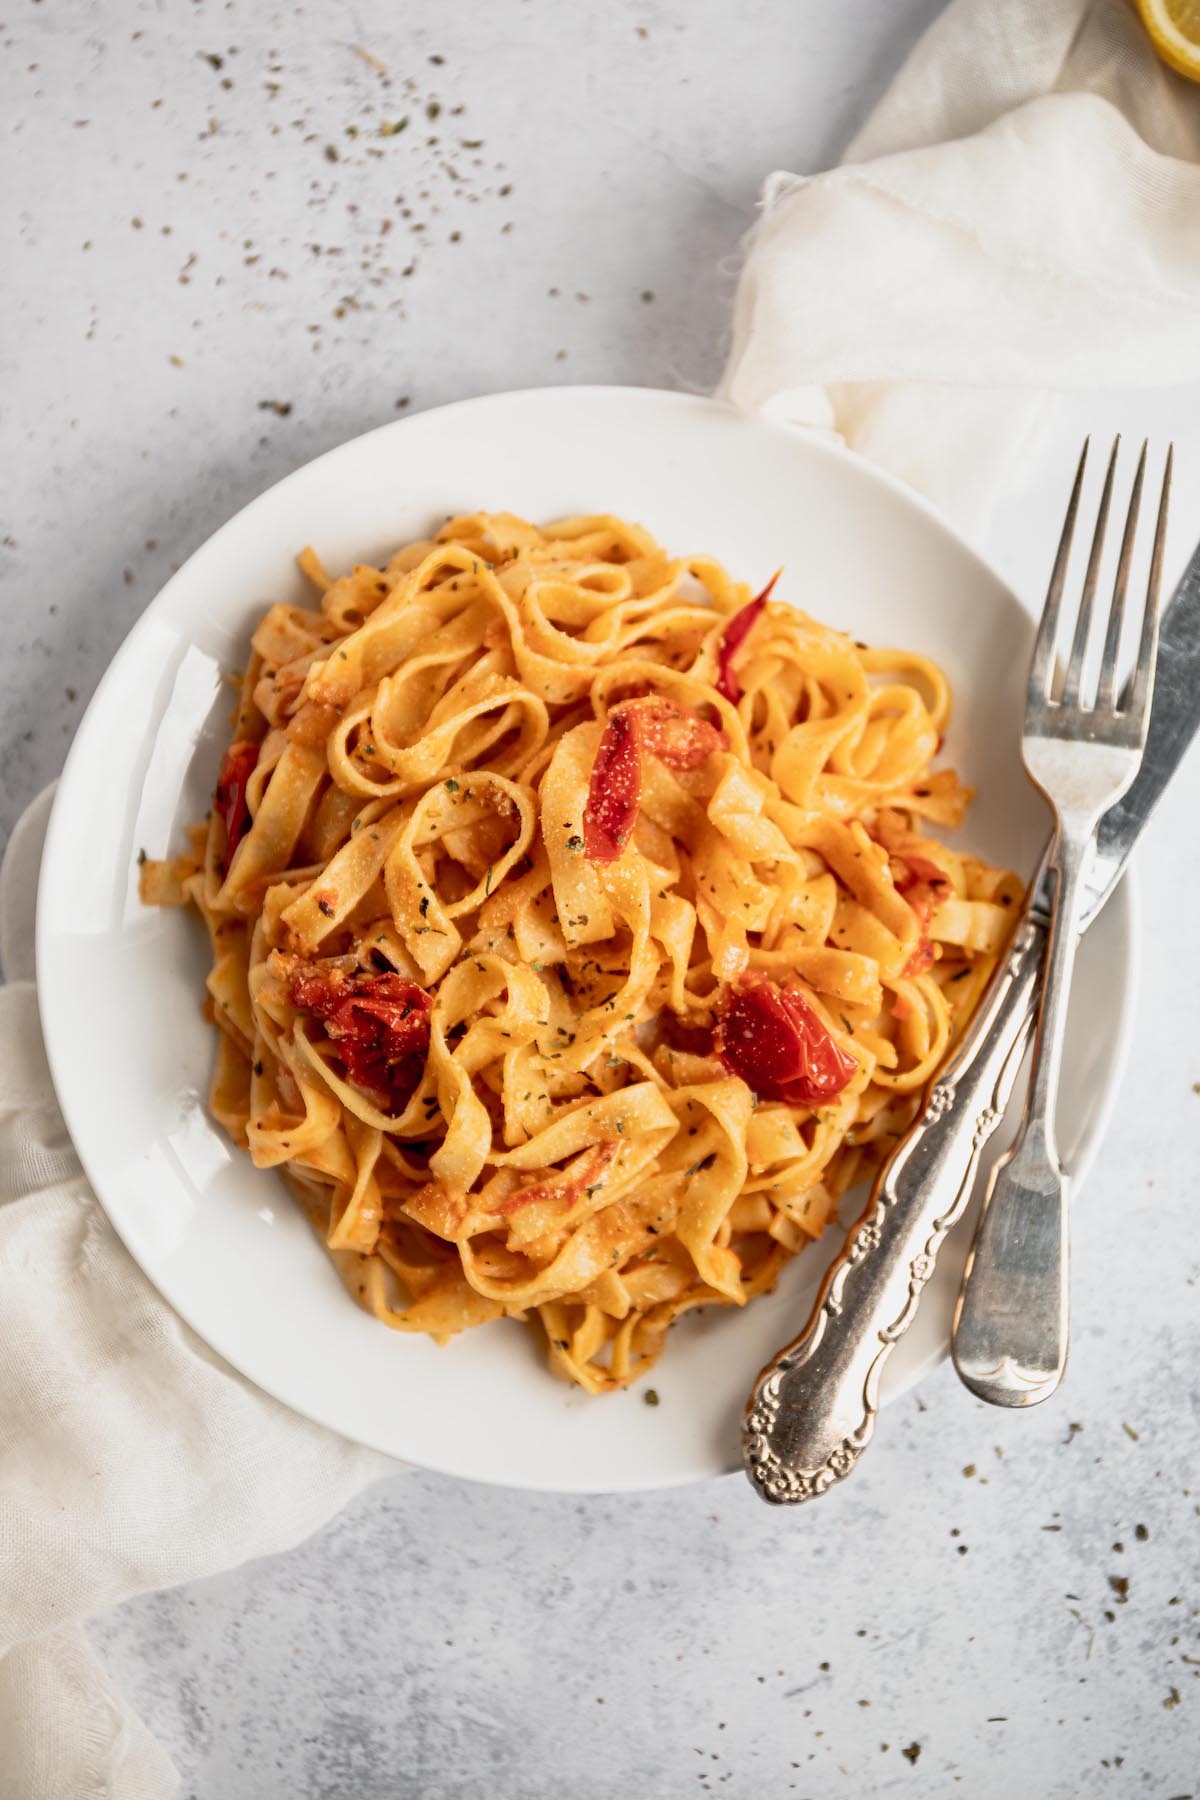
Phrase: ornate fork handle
(812,1411)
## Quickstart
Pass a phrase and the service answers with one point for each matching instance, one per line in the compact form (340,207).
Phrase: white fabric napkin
(1020,214)
(998,234)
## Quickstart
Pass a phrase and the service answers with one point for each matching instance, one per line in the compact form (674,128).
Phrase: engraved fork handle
(812,1411)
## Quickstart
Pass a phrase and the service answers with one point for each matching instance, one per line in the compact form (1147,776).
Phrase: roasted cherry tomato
(773,1039)
(232,807)
(638,728)
(614,792)
(379,1025)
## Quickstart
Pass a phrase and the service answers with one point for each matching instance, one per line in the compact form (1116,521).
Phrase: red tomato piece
(773,1039)
(614,792)
(675,734)
(321,991)
(232,808)
(637,728)
(734,636)
(921,958)
(918,868)
(921,883)
(378,1023)
(566,1189)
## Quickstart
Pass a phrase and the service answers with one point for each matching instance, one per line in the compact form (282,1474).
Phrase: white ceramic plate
(120,985)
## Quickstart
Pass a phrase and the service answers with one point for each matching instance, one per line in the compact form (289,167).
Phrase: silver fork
(1011,1325)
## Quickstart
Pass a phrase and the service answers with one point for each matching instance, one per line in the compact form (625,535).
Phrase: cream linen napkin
(131,1456)
(998,235)
(1020,214)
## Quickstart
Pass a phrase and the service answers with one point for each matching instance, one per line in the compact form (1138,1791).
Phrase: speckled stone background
(236,234)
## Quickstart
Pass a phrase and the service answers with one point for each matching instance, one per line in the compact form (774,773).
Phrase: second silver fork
(1011,1326)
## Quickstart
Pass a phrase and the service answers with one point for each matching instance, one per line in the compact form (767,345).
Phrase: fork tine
(1106,692)
(1079,644)
(1143,674)
(1041,668)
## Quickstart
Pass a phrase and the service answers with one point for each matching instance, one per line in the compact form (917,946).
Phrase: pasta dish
(578,931)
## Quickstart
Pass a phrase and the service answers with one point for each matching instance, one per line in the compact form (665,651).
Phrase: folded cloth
(131,1456)
(1020,214)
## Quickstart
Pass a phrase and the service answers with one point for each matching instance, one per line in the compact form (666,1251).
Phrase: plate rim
(816,442)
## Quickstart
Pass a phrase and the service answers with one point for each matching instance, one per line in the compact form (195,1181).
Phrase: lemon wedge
(1174,27)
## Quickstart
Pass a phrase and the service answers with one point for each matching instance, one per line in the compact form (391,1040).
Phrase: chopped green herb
(452,786)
